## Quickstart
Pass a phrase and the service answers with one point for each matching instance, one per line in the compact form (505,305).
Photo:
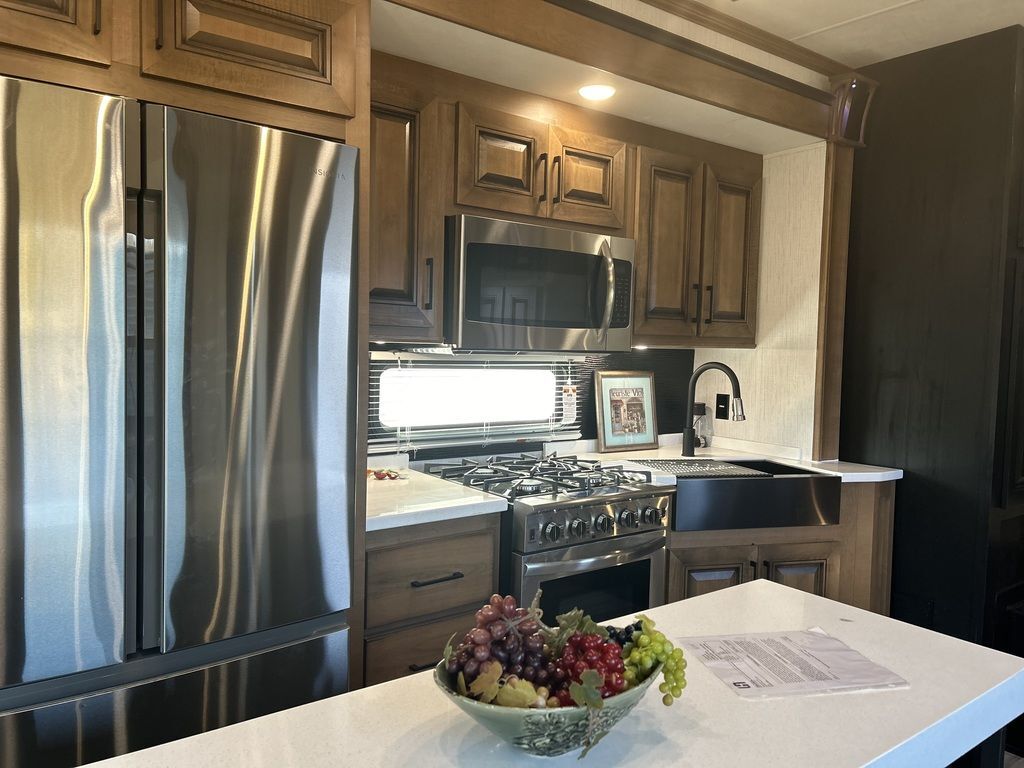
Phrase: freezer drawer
(62,373)
(255,280)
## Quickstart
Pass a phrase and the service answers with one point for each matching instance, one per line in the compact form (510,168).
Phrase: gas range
(561,501)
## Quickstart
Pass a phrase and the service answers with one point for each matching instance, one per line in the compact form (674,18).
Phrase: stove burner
(524,475)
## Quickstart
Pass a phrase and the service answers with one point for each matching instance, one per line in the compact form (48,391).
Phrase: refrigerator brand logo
(327,172)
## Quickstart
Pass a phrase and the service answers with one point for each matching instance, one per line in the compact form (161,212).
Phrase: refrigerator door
(62,374)
(256,287)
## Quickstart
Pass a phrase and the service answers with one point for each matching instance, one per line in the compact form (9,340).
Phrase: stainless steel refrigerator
(177,339)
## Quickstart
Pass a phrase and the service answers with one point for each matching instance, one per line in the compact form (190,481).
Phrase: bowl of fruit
(553,689)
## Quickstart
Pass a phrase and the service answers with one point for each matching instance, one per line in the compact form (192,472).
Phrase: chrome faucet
(689,435)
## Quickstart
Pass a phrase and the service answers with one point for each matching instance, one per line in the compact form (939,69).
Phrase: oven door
(525,287)
(607,579)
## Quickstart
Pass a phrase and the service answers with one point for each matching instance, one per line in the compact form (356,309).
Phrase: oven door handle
(620,556)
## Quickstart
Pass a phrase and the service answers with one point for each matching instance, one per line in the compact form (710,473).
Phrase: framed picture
(625,410)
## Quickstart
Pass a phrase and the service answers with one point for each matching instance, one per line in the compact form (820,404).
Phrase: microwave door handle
(609,301)
(617,557)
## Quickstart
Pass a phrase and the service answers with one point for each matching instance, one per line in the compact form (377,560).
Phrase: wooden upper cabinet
(74,29)
(588,178)
(406,224)
(732,236)
(297,52)
(667,262)
(501,161)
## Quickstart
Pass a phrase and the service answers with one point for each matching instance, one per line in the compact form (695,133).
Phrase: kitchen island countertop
(958,694)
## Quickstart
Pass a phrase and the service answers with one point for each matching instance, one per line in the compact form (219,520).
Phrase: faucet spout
(689,435)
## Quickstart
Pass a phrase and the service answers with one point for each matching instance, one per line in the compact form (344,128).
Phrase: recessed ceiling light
(597,92)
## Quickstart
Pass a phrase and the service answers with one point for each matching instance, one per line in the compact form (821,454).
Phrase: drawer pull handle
(421,667)
(452,577)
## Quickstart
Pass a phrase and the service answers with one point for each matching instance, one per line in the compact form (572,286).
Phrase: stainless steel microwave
(523,287)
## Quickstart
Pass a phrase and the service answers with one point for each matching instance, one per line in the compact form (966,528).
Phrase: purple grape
(529,673)
(497,629)
(480,636)
(482,652)
(470,669)
(542,676)
(499,652)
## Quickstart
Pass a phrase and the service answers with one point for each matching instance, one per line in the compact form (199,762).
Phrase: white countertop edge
(437,513)
(960,731)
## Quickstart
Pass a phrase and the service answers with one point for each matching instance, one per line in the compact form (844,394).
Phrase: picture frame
(626,417)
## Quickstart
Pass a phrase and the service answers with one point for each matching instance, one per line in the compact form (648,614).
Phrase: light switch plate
(722,407)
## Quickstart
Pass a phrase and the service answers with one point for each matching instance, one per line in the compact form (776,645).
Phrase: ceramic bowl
(546,732)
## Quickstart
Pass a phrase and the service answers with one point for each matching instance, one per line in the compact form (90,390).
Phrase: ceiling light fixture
(597,92)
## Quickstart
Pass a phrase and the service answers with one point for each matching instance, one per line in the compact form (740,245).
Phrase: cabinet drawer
(424,578)
(412,649)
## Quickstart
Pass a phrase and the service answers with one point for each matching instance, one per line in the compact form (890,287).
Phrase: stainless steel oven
(609,578)
(519,286)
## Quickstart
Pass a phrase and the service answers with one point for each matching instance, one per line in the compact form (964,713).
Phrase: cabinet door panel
(667,293)
(810,567)
(693,572)
(411,650)
(588,178)
(75,29)
(298,52)
(406,224)
(501,161)
(732,232)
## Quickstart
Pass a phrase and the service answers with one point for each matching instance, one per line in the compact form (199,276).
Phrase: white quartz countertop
(958,695)
(850,473)
(421,498)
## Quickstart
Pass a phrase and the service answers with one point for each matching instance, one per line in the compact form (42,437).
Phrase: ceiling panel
(403,32)
(859,32)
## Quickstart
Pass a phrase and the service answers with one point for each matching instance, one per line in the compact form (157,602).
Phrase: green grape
(644,641)
(677,692)
(647,648)
(667,700)
(664,687)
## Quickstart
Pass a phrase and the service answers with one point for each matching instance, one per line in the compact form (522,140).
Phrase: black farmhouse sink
(717,495)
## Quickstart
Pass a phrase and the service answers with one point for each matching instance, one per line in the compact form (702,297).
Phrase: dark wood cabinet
(588,178)
(666,296)
(502,161)
(297,52)
(731,246)
(809,566)
(698,244)
(75,29)
(512,164)
(693,572)
(406,224)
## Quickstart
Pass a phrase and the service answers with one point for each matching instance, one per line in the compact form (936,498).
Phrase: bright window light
(442,397)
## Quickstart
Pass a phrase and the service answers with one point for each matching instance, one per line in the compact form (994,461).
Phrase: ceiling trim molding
(727,25)
(647,31)
(677,68)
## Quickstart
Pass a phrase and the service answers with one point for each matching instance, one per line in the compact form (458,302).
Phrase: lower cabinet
(811,566)
(423,584)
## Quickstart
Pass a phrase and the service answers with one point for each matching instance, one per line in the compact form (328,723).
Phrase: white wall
(777,377)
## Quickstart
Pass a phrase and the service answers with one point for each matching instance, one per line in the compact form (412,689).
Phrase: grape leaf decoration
(517,693)
(461,685)
(587,692)
(569,623)
(449,648)
(485,687)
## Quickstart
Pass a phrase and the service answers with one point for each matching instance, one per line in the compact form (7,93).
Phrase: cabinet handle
(97,12)
(711,304)
(696,301)
(421,667)
(429,303)
(544,176)
(557,160)
(159,24)
(753,564)
(452,577)
(767,569)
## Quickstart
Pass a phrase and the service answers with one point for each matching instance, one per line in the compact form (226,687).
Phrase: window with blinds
(422,401)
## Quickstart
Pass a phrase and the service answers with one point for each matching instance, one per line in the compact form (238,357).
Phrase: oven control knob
(552,532)
(603,524)
(651,516)
(578,528)
(629,518)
